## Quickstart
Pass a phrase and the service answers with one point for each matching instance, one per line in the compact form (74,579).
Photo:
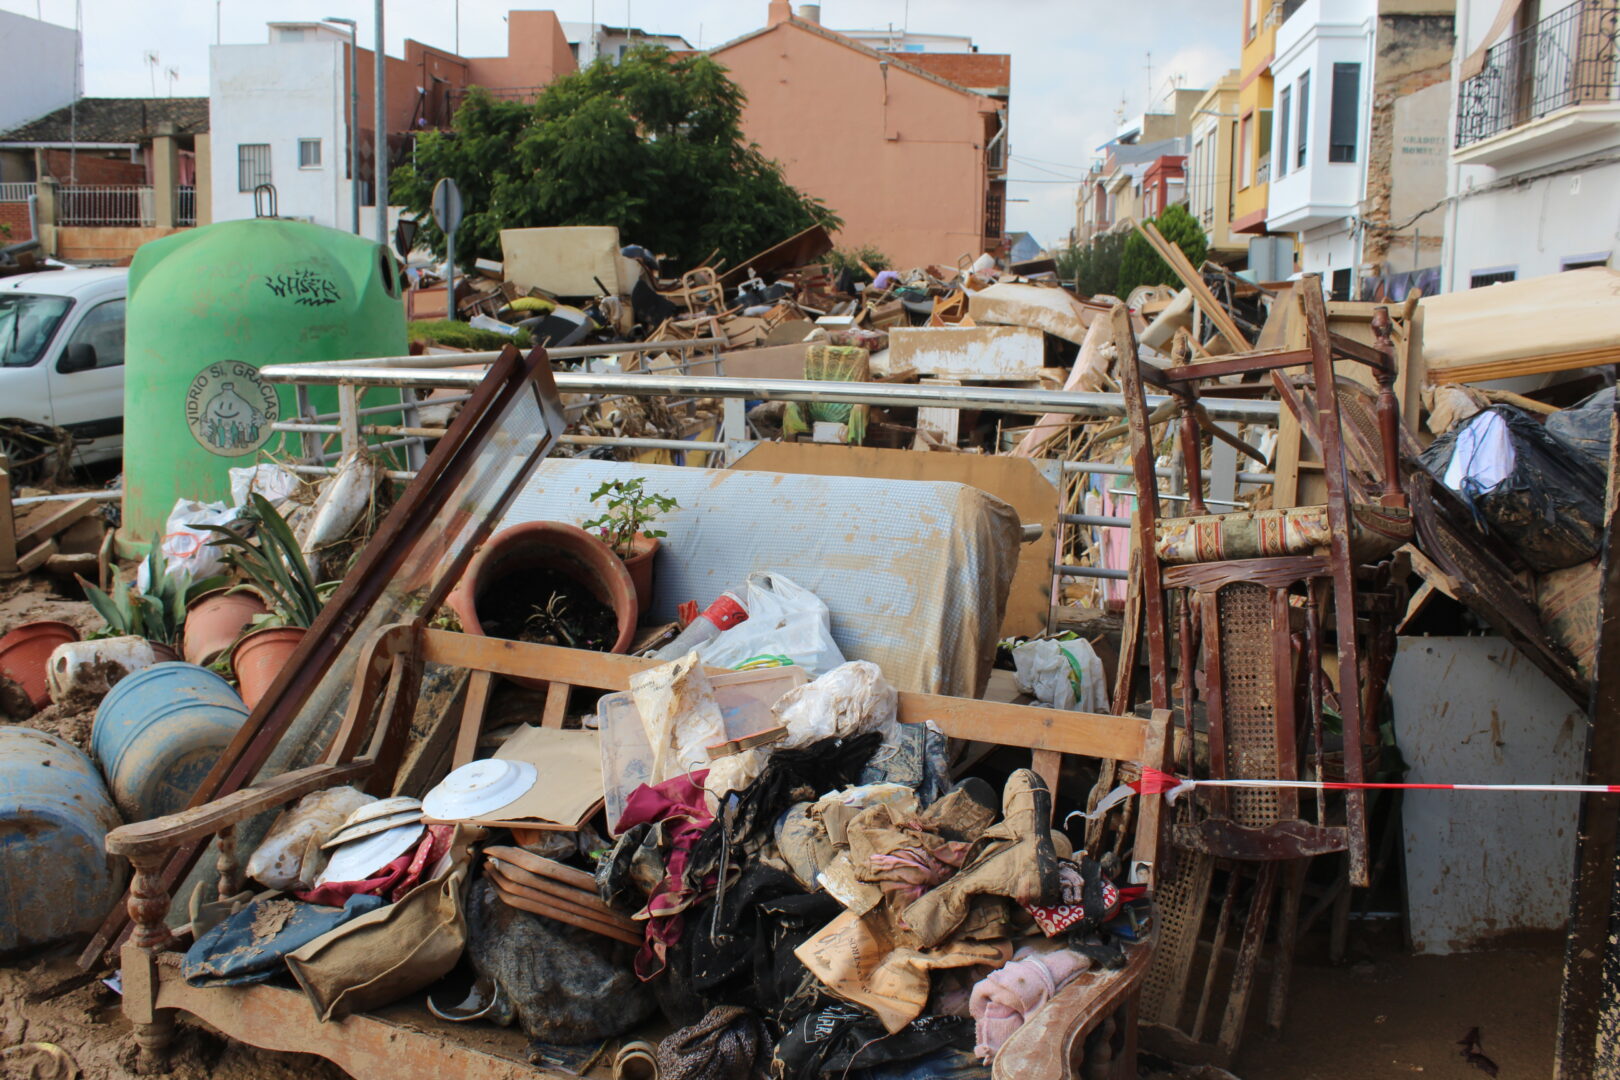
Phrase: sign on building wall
(1418,161)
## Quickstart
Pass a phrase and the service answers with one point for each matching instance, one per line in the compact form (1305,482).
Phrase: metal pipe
(379,65)
(294,427)
(373,410)
(1094,572)
(354,117)
(568,352)
(1099,520)
(892,395)
(1108,469)
(72,496)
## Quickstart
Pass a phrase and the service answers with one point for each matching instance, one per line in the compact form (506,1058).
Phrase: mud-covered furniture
(1086,1031)
(1245,614)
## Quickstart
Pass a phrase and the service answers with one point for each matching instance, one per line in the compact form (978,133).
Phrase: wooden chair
(1087,1030)
(1256,595)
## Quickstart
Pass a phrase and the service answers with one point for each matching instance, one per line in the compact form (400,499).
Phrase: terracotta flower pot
(216,619)
(556,546)
(640,565)
(162,652)
(25,655)
(259,658)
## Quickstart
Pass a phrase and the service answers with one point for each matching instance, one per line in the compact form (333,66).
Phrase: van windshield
(27,323)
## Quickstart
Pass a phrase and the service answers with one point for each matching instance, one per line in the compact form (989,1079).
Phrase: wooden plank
(160,835)
(37,557)
(54,522)
(1122,738)
(556,704)
(1235,365)
(1190,276)
(8,523)
(479,684)
(1535,365)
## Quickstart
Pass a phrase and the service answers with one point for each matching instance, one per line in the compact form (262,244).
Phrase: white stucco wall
(1314,38)
(278,94)
(1553,202)
(42,72)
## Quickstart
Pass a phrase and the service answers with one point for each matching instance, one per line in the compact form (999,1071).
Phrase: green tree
(653,145)
(1141,265)
(1097,269)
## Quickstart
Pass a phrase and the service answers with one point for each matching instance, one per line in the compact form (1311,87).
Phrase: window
(1285,101)
(1246,149)
(1581,262)
(1251,20)
(309,153)
(27,324)
(252,165)
(1341,284)
(1344,124)
(103,328)
(1480,278)
(1304,96)
(1262,146)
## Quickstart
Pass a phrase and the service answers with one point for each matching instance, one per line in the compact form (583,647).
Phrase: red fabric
(394,880)
(680,802)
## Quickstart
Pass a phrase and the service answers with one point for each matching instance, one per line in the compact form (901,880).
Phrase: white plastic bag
(267,478)
(679,714)
(1062,674)
(849,700)
(290,856)
(785,621)
(186,542)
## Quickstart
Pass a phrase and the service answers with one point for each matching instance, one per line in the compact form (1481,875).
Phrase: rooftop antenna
(151,60)
(1149,55)
(173,75)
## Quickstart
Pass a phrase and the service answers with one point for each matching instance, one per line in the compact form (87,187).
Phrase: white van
(62,360)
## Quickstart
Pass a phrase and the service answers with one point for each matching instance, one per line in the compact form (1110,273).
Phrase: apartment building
(1534,171)
(1212,167)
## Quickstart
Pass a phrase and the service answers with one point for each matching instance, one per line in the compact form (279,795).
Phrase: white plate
(477,788)
(371,827)
(360,859)
(383,808)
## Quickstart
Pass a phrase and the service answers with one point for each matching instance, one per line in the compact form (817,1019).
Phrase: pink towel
(1003,1000)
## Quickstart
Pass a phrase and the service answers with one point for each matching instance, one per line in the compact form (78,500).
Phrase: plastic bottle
(726,611)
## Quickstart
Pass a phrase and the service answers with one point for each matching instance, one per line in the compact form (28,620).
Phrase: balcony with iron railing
(1548,83)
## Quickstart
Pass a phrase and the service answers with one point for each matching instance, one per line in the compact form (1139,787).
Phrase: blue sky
(1077,64)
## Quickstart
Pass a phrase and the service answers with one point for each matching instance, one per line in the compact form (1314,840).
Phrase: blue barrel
(56,878)
(159,732)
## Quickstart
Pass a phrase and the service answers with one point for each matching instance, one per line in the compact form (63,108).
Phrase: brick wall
(16,216)
(96,167)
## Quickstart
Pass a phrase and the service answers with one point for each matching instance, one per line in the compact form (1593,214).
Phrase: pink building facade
(910,160)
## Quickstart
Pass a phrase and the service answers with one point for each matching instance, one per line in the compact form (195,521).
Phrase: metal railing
(17,191)
(126,205)
(185,206)
(1568,58)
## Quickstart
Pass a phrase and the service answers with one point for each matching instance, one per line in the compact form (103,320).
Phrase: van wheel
(27,458)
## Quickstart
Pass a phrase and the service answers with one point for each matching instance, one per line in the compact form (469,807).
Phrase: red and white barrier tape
(1155,782)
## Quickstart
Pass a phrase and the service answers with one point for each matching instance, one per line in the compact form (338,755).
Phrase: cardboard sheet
(568,788)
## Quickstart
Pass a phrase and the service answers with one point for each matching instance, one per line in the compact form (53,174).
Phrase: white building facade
(278,116)
(1534,176)
(1322,77)
(43,69)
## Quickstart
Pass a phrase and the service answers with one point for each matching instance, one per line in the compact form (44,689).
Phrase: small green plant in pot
(157,613)
(275,567)
(624,527)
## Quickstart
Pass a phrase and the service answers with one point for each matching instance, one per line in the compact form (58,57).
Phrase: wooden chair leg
(1254,936)
(148,907)
(1287,939)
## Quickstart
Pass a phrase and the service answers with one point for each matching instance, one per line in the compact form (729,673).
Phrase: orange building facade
(912,161)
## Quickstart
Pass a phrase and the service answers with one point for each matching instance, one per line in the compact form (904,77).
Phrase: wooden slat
(54,522)
(36,558)
(1237,365)
(1532,365)
(159,835)
(8,523)
(1190,277)
(1122,738)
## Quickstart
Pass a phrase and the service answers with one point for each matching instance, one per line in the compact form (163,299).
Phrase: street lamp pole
(354,121)
(379,63)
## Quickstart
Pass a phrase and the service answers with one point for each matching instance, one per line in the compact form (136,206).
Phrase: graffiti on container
(304,287)
(229,409)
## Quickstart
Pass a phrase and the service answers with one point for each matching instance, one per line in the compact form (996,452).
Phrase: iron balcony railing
(1569,58)
(17,191)
(185,206)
